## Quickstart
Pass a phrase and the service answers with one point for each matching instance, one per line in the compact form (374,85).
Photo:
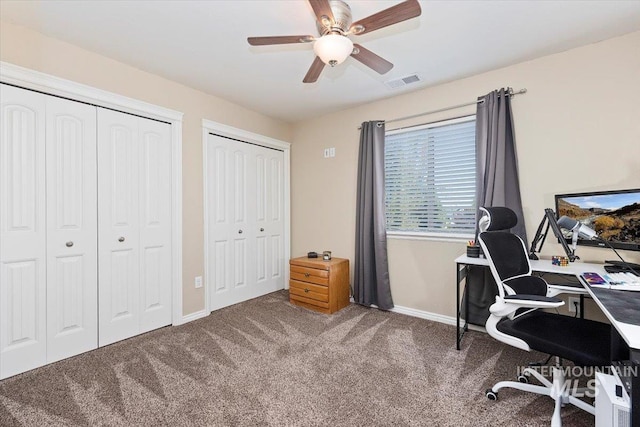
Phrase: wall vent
(403,81)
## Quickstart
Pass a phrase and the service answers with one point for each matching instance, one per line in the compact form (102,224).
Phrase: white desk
(629,332)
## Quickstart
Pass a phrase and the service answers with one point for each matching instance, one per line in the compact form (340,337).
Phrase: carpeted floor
(266,362)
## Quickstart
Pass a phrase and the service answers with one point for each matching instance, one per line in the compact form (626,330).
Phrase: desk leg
(461,274)
(635,389)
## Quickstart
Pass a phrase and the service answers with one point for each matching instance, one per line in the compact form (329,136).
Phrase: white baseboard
(441,318)
(191,317)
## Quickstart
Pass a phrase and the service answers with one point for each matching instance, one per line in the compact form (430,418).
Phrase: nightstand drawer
(309,303)
(307,290)
(313,275)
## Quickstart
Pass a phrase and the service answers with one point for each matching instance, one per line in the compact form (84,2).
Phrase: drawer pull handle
(69,244)
(121,239)
(306,290)
(306,275)
(261,229)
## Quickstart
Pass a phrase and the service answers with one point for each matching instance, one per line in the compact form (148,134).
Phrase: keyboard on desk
(623,281)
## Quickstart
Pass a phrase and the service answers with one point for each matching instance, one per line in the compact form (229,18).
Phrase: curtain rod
(453,107)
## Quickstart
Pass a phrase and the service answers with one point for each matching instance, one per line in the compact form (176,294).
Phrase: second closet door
(245,208)
(134,211)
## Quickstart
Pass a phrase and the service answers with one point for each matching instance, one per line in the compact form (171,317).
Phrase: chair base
(557,389)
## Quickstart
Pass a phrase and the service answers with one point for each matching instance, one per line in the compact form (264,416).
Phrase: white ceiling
(203,44)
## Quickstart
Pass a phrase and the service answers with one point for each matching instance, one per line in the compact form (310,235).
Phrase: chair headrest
(497,218)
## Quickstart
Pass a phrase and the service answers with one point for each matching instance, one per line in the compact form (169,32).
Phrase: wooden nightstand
(319,285)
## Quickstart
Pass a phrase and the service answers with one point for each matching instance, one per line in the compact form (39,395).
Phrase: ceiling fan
(335,26)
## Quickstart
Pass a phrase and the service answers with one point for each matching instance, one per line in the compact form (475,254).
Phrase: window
(430,179)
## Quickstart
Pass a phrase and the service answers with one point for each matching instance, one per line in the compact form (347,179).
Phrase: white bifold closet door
(48,270)
(23,272)
(134,204)
(72,270)
(245,206)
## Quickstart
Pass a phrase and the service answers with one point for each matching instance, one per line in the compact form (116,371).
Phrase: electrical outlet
(198,281)
(573,303)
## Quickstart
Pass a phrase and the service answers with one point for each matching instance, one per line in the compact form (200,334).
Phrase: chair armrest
(520,298)
(510,303)
(553,290)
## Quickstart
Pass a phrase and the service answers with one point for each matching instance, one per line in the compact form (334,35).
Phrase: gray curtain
(371,281)
(497,181)
(497,184)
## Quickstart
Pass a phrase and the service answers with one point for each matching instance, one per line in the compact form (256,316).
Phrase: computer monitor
(614,215)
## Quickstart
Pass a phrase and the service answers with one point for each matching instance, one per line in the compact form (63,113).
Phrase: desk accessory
(473,251)
(561,261)
(593,278)
(326,255)
(312,255)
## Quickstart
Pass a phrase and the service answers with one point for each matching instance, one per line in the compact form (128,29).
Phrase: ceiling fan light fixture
(333,49)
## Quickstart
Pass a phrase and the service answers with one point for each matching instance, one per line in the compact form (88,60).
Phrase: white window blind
(430,178)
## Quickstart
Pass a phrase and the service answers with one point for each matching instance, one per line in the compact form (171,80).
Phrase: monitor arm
(550,220)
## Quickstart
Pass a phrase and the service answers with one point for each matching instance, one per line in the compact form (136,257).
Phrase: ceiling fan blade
(398,13)
(371,60)
(322,8)
(314,71)
(261,41)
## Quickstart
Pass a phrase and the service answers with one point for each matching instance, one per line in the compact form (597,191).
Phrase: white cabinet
(85,227)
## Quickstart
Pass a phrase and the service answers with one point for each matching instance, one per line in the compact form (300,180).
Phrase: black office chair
(516,319)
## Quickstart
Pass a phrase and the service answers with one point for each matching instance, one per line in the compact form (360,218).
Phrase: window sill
(435,237)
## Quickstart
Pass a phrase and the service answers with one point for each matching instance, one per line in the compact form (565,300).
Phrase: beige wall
(29,49)
(577,129)
(582,109)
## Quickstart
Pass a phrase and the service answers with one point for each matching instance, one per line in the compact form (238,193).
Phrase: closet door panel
(273,222)
(231,202)
(219,222)
(262,255)
(22,231)
(155,224)
(118,226)
(72,287)
(243,211)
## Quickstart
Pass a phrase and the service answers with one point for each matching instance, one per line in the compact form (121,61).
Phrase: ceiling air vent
(402,81)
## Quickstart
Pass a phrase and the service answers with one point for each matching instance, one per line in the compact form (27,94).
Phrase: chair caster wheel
(491,395)
(523,379)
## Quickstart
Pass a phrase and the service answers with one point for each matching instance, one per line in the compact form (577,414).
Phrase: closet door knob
(120,239)
(262,229)
(69,244)
(239,231)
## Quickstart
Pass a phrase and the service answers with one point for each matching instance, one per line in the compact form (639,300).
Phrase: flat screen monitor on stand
(601,218)
(614,215)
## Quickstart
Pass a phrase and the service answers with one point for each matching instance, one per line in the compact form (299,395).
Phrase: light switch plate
(198,281)
(327,152)
(332,152)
